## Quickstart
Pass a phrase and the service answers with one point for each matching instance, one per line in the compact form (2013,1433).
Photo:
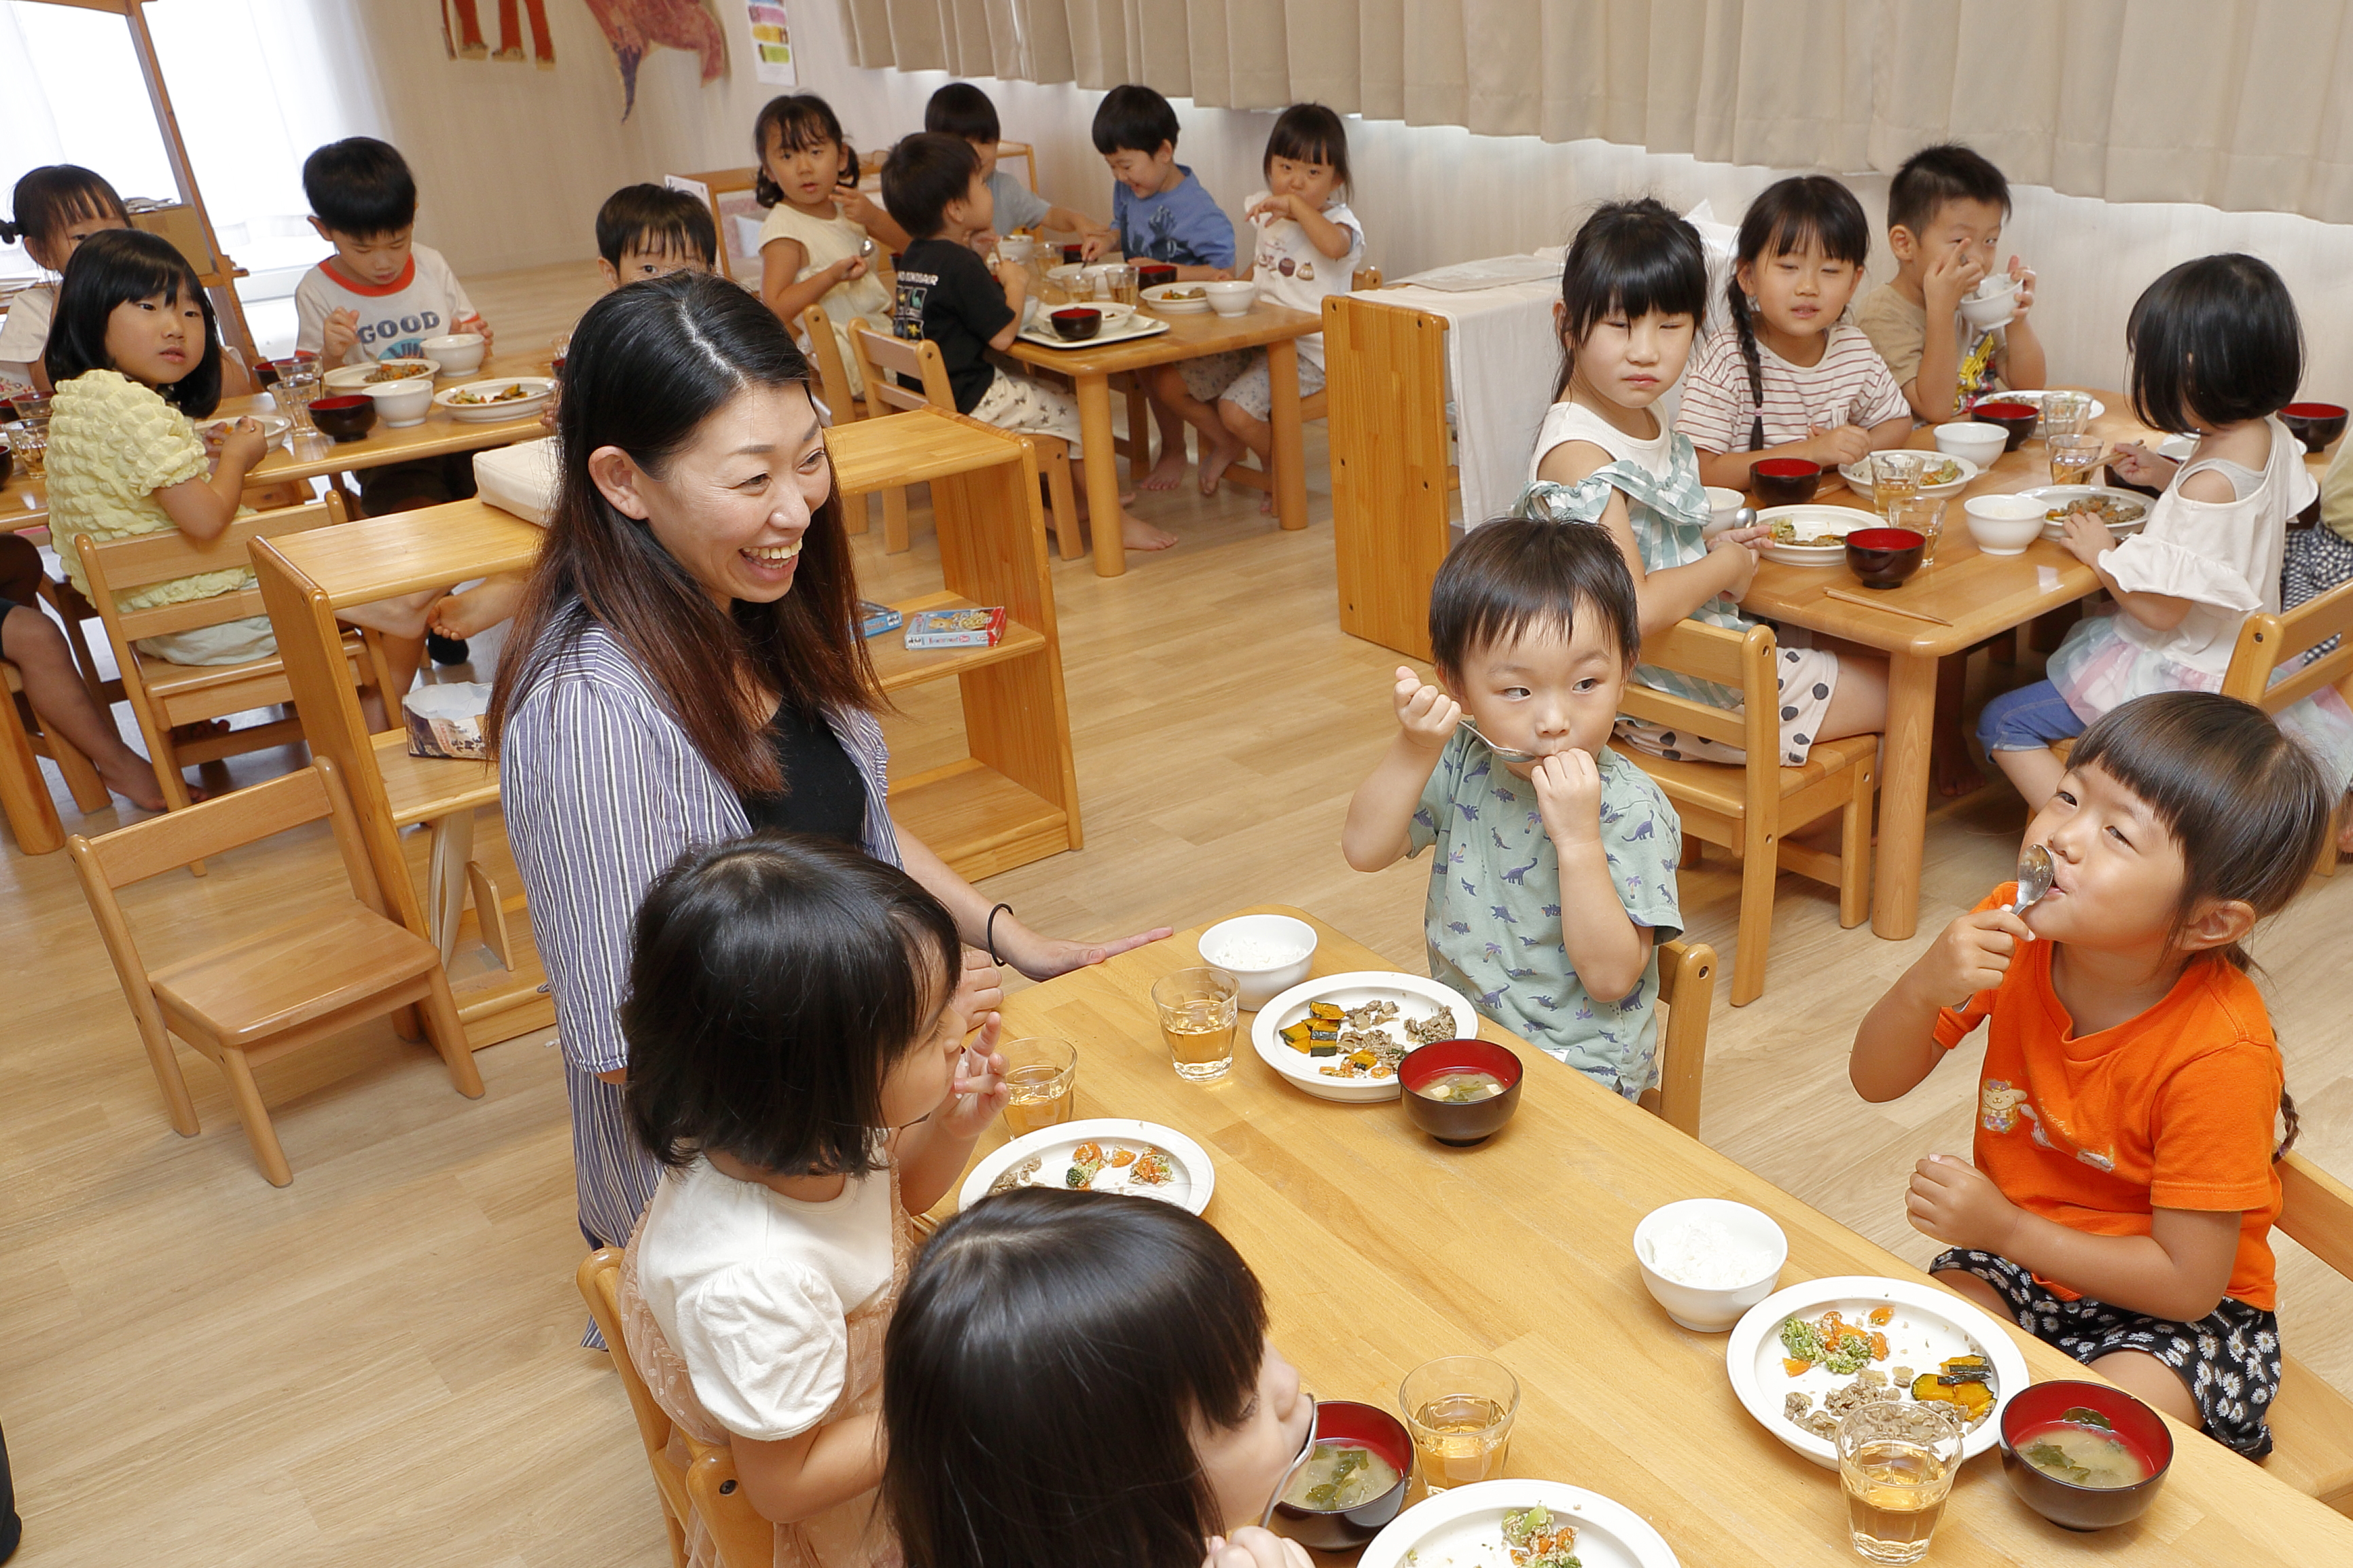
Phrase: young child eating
(2120,1198)
(816,247)
(963,110)
(1535,631)
(53,210)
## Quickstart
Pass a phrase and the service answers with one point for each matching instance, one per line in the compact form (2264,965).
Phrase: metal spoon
(1503,752)
(2034,872)
(1745,517)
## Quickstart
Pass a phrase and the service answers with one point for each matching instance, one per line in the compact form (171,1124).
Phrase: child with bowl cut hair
(1555,874)
(963,110)
(651,231)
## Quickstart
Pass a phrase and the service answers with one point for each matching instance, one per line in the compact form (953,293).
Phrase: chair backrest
(1363,279)
(2317,1209)
(825,352)
(882,358)
(1743,661)
(599,1278)
(1385,396)
(119,565)
(1687,990)
(2267,642)
(198,832)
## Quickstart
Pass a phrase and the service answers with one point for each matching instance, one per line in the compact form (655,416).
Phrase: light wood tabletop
(1273,328)
(1380,1250)
(1977,594)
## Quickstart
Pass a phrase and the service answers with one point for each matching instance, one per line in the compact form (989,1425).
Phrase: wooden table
(1274,328)
(1380,1250)
(1980,594)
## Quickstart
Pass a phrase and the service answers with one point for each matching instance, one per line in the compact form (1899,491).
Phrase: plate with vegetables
(1340,1037)
(487,402)
(1802,1357)
(1811,534)
(1519,1524)
(1942,475)
(1106,1154)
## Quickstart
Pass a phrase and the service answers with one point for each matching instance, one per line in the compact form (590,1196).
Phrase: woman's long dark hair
(115,266)
(1041,1375)
(1784,217)
(648,364)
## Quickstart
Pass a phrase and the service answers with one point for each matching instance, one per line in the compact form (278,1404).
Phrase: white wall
(513,161)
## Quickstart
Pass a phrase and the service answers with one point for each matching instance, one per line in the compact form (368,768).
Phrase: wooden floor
(379,1364)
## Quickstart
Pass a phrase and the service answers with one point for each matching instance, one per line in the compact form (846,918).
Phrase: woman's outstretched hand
(1042,958)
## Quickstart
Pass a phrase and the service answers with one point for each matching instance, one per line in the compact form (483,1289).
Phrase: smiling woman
(692,670)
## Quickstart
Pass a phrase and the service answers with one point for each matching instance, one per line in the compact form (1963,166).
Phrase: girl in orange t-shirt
(2122,1194)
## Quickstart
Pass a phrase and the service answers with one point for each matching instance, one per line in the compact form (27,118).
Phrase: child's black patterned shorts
(2229,1359)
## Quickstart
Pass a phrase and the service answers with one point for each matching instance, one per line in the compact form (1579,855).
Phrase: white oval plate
(1464,1526)
(1414,995)
(1929,1325)
(2036,398)
(541,387)
(1195,1180)
(2059,495)
(1839,519)
(354,377)
(1858,476)
(275,427)
(1157,298)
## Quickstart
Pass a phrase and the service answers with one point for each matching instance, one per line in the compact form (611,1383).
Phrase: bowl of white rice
(1708,1260)
(1268,954)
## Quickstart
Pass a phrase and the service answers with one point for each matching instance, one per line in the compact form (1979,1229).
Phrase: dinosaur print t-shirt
(1494,918)
(2171,1108)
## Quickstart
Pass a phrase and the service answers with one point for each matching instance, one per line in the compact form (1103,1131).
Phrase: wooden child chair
(2312,1423)
(1686,990)
(702,1483)
(1313,406)
(2267,642)
(881,360)
(24,792)
(1753,808)
(165,695)
(272,992)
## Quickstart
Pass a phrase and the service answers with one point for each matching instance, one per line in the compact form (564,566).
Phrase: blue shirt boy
(1184,226)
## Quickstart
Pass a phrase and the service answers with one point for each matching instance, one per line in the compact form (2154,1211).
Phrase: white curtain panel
(2232,103)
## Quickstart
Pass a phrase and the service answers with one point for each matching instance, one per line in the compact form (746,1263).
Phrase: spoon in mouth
(1504,753)
(2034,871)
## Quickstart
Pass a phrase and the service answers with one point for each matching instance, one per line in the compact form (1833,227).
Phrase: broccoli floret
(1802,1340)
(1848,1356)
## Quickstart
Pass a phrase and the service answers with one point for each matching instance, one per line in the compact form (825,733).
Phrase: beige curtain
(2229,102)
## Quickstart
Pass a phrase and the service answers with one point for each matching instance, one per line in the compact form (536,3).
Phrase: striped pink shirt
(1850,385)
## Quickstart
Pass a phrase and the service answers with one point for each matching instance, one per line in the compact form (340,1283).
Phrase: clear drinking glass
(1041,1077)
(2065,414)
(1897,1462)
(1197,1018)
(1460,1409)
(28,444)
(298,384)
(1923,516)
(2072,458)
(1118,286)
(1895,477)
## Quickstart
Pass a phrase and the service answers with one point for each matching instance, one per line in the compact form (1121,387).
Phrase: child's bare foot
(1169,471)
(1137,534)
(201,729)
(471,613)
(1217,456)
(134,780)
(1958,777)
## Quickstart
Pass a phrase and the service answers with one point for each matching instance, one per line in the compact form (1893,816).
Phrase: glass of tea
(1460,1409)
(2065,414)
(1041,1080)
(1897,1462)
(1924,516)
(1196,1018)
(1895,477)
(2072,458)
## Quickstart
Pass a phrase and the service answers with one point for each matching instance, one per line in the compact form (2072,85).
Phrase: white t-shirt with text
(425,302)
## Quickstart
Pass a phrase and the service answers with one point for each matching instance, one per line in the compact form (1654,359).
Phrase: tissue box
(521,479)
(956,628)
(446,720)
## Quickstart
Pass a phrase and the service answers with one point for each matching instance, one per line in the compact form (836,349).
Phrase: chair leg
(855,518)
(1139,431)
(164,1059)
(448,1033)
(256,1117)
(1854,850)
(1760,867)
(1064,504)
(24,792)
(1690,860)
(894,521)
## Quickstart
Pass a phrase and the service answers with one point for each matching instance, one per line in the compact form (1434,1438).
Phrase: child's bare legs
(1219,446)
(1168,471)
(1254,434)
(1134,532)
(401,623)
(44,660)
(1859,701)
(2036,774)
(461,616)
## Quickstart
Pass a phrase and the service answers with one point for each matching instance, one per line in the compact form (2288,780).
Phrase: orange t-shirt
(2172,1109)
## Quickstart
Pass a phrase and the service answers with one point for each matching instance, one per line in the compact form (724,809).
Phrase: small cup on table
(1895,477)
(2065,414)
(2072,458)
(1460,1409)
(1041,1081)
(1196,1009)
(1924,516)
(1897,1461)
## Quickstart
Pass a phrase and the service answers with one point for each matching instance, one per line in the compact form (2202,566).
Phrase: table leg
(1289,461)
(1903,794)
(444,878)
(1103,474)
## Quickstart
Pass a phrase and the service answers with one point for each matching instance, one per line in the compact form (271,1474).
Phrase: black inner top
(823,794)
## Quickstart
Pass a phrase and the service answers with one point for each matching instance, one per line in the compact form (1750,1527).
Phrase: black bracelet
(988,933)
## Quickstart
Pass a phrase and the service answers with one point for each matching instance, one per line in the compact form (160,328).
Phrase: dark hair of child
(2216,340)
(922,175)
(1308,133)
(774,981)
(2247,805)
(1949,171)
(655,220)
(360,187)
(1780,222)
(1518,575)
(962,109)
(1134,119)
(116,267)
(796,121)
(50,199)
(1632,258)
(702,342)
(1040,1375)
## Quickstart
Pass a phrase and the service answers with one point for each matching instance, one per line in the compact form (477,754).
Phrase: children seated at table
(136,355)
(2120,1196)
(1504,768)
(1945,211)
(796,1063)
(932,186)
(1308,244)
(2210,552)
(814,248)
(964,110)
(379,297)
(1634,290)
(53,210)
(1791,377)
(1097,1366)
(642,231)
